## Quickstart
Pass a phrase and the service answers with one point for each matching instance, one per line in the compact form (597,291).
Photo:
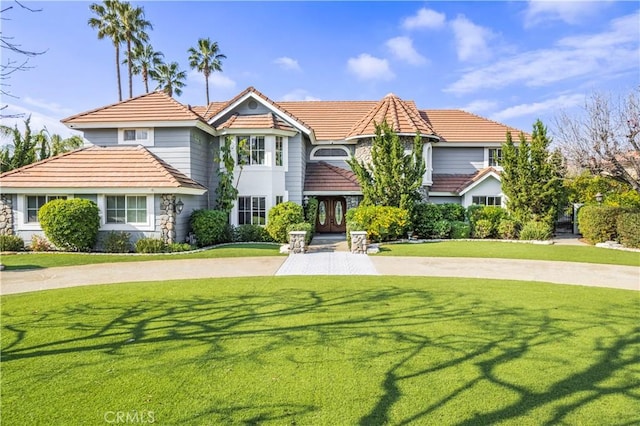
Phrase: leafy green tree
(227,191)
(143,60)
(133,26)
(584,187)
(206,59)
(107,23)
(393,178)
(58,145)
(169,78)
(532,177)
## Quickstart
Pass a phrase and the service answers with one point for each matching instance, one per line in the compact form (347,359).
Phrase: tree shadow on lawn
(462,355)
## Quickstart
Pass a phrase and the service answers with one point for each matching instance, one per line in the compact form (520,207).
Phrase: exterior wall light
(179,206)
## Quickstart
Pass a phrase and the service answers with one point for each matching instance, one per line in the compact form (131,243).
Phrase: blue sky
(512,62)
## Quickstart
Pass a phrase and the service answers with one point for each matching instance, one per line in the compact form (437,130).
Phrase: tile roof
(461,126)
(402,116)
(256,121)
(154,106)
(458,182)
(100,167)
(322,176)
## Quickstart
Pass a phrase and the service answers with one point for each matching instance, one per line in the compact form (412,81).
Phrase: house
(150,160)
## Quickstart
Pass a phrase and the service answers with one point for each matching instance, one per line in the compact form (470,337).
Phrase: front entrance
(331,212)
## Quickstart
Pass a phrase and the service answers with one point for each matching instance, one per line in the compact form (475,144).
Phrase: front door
(331,212)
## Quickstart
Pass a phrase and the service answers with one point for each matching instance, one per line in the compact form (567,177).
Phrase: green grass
(49,260)
(322,351)
(491,249)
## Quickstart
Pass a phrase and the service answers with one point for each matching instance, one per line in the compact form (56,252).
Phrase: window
(35,202)
(252,210)
(485,200)
(279,199)
(252,153)
(279,151)
(495,156)
(136,136)
(130,209)
(330,153)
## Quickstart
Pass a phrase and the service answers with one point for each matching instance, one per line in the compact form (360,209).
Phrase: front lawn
(50,260)
(504,250)
(322,351)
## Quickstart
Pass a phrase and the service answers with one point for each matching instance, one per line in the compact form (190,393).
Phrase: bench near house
(149,161)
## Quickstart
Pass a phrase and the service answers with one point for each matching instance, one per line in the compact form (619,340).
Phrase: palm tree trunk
(145,78)
(206,84)
(118,72)
(129,66)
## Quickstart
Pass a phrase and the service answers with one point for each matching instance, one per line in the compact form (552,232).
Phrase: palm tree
(206,59)
(170,79)
(133,27)
(107,23)
(143,60)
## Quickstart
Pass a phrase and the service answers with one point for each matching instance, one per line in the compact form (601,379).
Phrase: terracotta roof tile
(155,106)
(100,167)
(458,182)
(322,176)
(256,121)
(462,126)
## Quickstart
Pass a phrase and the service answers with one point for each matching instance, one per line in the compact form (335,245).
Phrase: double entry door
(331,212)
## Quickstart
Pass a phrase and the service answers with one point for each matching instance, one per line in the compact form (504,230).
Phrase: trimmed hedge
(598,224)
(629,229)
(452,212)
(425,216)
(282,216)
(71,224)
(442,229)
(382,223)
(11,243)
(508,229)
(483,228)
(460,230)
(210,227)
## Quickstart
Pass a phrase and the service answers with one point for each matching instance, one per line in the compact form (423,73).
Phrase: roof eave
(102,190)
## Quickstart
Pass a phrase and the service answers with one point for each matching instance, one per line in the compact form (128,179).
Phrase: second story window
(135,137)
(495,157)
(251,151)
(279,151)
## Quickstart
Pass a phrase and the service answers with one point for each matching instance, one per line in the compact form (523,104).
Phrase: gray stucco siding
(177,157)
(201,156)
(165,137)
(457,160)
(102,137)
(294,177)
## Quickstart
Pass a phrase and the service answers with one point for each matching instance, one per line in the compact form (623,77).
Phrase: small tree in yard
(393,178)
(227,191)
(532,177)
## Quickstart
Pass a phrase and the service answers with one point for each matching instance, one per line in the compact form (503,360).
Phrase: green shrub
(599,223)
(382,223)
(442,229)
(452,212)
(11,243)
(302,226)
(629,229)
(508,229)
(117,242)
(251,233)
(280,217)
(311,212)
(40,243)
(150,245)
(483,228)
(460,230)
(425,216)
(71,224)
(493,214)
(210,227)
(535,230)
(178,247)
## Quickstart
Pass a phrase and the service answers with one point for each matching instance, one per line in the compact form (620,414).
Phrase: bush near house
(460,230)
(599,223)
(11,243)
(442,229)
(150,245)
(483,228)
(425,216)
(629,229)
(493,214)
(71,224)
(508,229)
(282,216)
(382,223)
(39,243)
(452,212)
(210,227)
(251,234)
(535,230)
(117,242)
(311,214)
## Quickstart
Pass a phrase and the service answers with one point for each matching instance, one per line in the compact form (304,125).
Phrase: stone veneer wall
(6,215)
(353,201)
(359,242)
(168,218)
(297,243)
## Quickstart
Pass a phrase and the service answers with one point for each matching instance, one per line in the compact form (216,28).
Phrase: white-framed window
(487,200)
(252,210)
(253,153)
(279,199)
(279,151)
(136,136)
(126,209)
(495,157)
(35,202)
(331,152)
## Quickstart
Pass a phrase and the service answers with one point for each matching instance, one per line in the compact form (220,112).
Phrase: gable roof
(102,168)
(256,121)
(154,106)
(461,183)
(454,125)
(324,177)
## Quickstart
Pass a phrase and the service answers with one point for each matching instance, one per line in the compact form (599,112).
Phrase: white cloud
(594,56)
(38,121)
(287,63)
(299,95)
(49,106)
(367,67)
(545,107)
(471,39)
(425,18)
(480,106)
(402,48)
(569,11)
(216,79)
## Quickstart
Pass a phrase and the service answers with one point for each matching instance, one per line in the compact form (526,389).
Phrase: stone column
(168,218)
(6,215)
(359,242)
(297,243)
